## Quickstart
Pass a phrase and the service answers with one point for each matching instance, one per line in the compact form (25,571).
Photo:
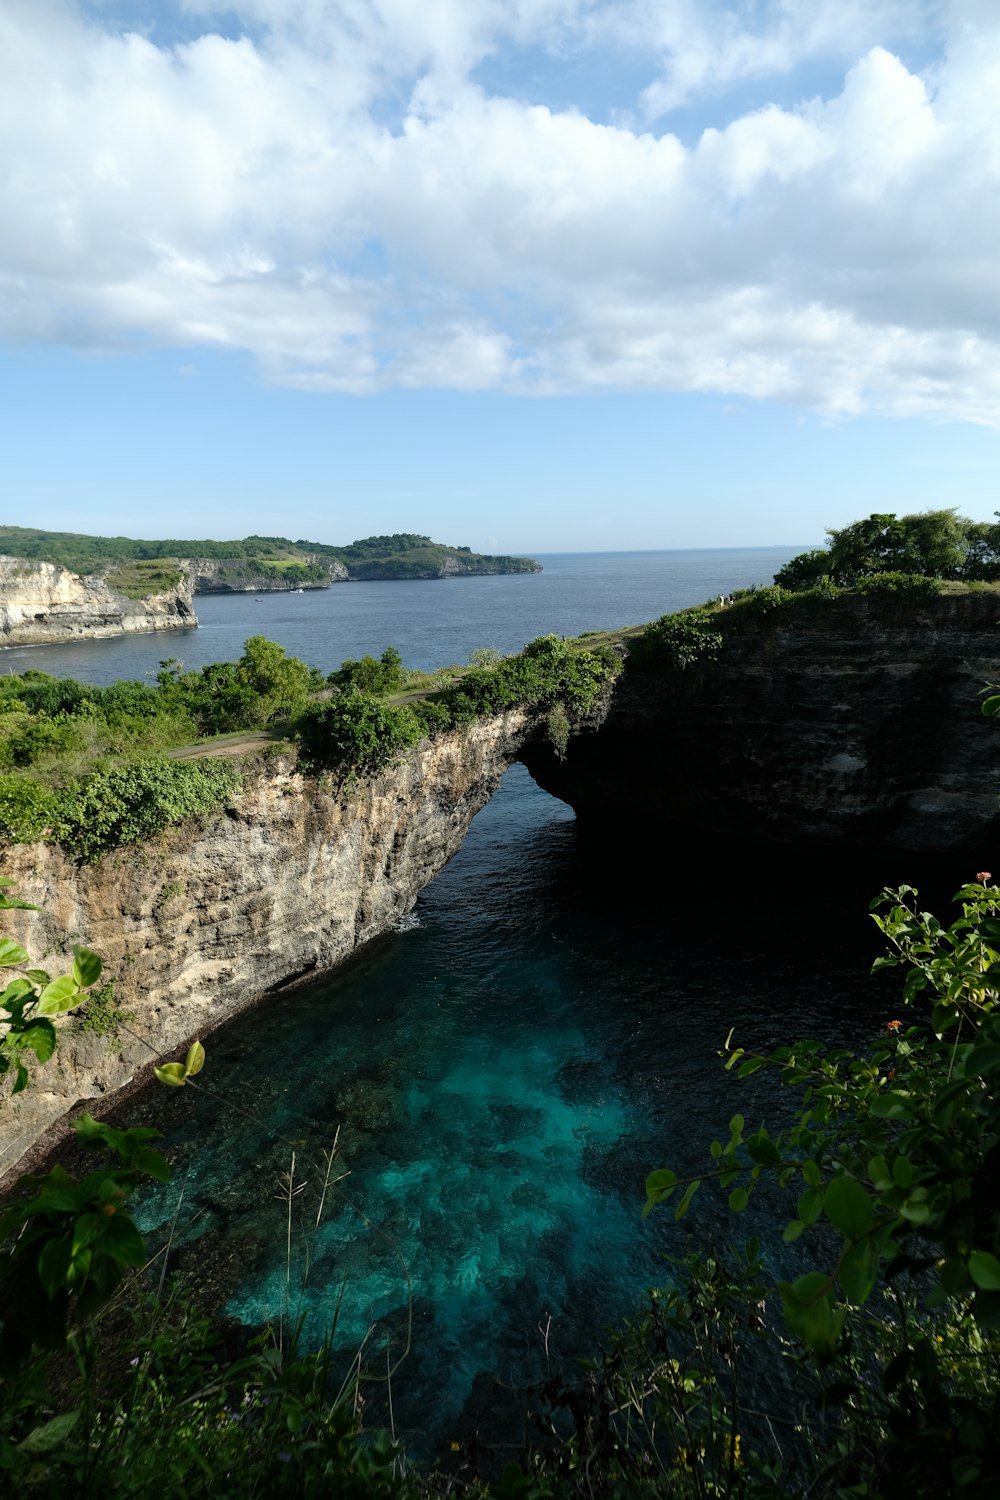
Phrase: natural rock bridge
(851,728)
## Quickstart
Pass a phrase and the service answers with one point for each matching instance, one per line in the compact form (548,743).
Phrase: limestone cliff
(238,575)
(854,725)
(41,604)
(290,880)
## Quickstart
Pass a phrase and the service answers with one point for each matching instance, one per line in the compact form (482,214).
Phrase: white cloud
(333,193)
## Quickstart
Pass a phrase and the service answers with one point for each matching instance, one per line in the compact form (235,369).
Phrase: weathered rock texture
(41,604)
(290,880)
(856,727)
(210,575)
(855,724)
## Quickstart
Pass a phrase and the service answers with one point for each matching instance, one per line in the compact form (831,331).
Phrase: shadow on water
(503,1076)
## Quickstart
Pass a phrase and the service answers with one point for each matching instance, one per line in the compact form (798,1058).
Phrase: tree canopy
(931,543)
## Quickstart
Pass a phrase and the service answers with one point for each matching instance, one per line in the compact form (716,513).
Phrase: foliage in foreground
(885,1381)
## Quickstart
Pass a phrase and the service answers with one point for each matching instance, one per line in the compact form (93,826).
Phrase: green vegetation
(402,555)
(677,641)
(890,1162)
(934,543)
(89,767)
(139,579)
(883,1385)
(370,676)
(357,732)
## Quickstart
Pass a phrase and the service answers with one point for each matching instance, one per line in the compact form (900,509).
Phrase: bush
(27,810)
(677,641)
(900,586)
(354,734)
(370,676)
(129,804)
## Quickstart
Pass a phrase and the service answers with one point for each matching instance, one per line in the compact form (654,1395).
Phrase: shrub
(128,804)
(677,641)
(27,810)
(354,734)
(900,586)
(370,676)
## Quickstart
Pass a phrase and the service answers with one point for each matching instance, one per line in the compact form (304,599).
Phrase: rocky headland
(42,604)
(853,724)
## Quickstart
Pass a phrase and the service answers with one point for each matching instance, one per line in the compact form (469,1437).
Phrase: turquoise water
(505,1072)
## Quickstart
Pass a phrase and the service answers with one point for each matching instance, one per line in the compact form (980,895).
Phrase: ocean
(505,1069)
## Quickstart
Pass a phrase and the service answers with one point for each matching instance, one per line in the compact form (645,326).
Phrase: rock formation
(289,880)
(851,725)
(41,604)
(849,728)
(239,575)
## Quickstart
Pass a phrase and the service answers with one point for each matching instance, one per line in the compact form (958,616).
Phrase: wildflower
(893,1025)
(456,1447)
(983,875)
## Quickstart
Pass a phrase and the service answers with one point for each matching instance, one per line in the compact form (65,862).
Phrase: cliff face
(210,575)
(854,726)
(288,881)
(41,604)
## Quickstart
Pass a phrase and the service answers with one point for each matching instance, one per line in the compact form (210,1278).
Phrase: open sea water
(501,1075)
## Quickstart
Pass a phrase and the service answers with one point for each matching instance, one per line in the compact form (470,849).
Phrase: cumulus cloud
(327,187)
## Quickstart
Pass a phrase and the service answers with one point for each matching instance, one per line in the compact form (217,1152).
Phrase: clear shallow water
(505,1073)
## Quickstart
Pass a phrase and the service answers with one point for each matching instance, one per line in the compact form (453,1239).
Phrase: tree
(933,543)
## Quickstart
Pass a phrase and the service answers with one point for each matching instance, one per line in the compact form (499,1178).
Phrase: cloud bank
(330,186)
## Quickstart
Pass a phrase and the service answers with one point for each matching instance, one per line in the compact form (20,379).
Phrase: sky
(523,275)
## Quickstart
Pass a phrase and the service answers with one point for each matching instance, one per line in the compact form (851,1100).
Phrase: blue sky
(528,275)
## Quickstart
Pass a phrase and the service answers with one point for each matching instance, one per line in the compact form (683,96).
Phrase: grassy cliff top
(404,554)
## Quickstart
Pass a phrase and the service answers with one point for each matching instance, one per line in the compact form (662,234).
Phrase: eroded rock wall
(288,881)
(854,725)
(41,604)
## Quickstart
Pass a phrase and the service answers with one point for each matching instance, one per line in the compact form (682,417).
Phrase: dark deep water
(506,1070)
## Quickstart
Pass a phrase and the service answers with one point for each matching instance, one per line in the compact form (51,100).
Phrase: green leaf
(152,1163)
(858,1270)
(736,1125)
(15,991)
(195,1060)
(43,1439)
(61,995)
(810,1205)
(761,1148)
(12,953)
(53,1265)
(792,1231)
(122,1241)
(40,1036)
(87,966)
(750,1066)
(878,1172)
(902,1173)
(848,1207)
(738,1200)
(171,1074)
(984,1269)
(811,1172)
(685,1202)
(890,1107)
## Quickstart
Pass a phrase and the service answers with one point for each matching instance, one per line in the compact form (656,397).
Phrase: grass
(140,579)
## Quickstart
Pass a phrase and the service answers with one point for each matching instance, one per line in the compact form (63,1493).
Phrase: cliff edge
(42,604)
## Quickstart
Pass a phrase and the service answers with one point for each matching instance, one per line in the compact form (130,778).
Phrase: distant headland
(61,585)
